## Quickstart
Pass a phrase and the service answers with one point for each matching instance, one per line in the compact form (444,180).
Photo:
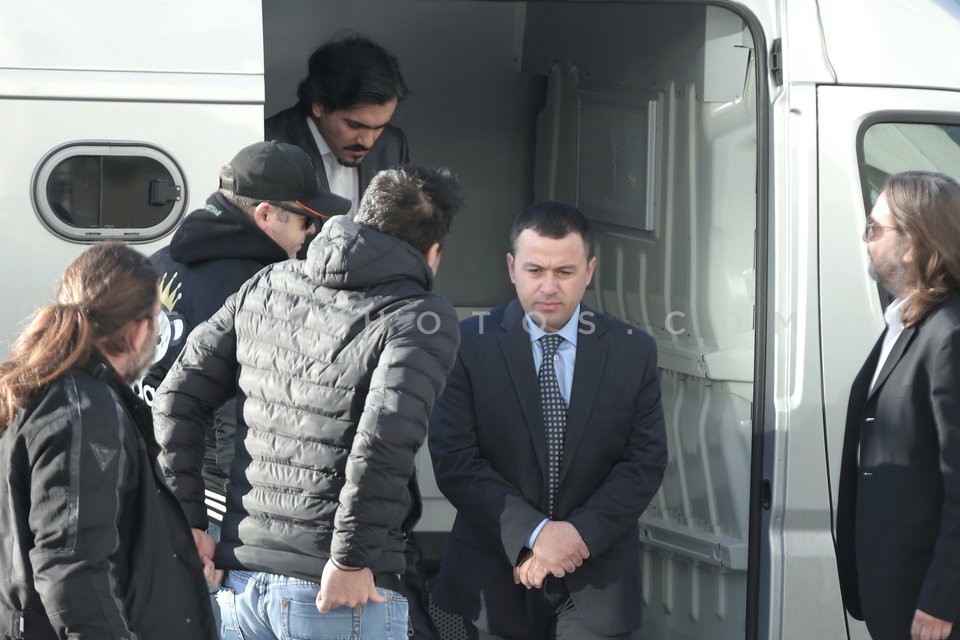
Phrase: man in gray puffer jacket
(336,362)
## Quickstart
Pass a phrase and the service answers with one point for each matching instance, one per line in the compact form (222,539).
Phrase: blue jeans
(265,606)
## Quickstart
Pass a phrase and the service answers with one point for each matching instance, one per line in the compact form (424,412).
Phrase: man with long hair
(95,545)
(898,520)
(343,112)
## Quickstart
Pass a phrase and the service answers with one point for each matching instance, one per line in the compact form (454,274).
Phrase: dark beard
(138,365)
(352,163)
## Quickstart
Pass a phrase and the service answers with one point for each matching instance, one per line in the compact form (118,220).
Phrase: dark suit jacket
(898,510)
(490,458)
(290,125)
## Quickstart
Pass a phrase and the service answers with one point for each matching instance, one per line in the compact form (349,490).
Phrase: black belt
(389,581)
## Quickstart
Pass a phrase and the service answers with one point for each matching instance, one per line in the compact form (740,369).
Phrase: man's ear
(432,257)
(317,110)
(591,266)
(510,266)
(907,256)
(137,333)
(261,216)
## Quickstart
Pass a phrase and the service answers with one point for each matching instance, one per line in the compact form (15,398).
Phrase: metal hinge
(776,61)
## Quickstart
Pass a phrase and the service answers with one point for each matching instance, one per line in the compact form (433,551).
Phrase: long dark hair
(926,207)
(348,71)
(102,291)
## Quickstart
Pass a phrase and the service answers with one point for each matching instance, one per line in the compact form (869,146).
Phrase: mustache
(356,147)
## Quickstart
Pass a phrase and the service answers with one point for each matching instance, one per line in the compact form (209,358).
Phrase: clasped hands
(557,551)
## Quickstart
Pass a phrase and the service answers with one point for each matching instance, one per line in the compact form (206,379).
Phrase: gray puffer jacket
(336,362)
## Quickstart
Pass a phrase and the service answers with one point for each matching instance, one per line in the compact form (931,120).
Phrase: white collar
(568,331)
(321,143)
(891,314)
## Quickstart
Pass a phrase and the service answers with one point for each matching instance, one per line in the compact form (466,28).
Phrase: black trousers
(415,590)
(554,617)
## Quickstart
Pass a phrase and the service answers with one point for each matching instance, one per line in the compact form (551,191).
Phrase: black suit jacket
(490,458)
(290,125)
(898,509)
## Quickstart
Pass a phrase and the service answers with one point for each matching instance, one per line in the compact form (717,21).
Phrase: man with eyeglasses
(898,510)
(269,195)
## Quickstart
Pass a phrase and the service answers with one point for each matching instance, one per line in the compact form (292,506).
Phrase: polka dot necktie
(554,413)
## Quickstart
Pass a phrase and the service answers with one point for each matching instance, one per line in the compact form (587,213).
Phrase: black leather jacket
(94,543)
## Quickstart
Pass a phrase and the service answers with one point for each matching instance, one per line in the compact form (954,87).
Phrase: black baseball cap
(277,172)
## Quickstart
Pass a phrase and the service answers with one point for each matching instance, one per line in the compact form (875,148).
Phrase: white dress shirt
(894,329)
(344,181)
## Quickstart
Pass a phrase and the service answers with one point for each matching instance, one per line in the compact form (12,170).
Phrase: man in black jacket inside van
(268,196)
(342,116)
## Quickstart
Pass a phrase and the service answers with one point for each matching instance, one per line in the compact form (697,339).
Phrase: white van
(727,153)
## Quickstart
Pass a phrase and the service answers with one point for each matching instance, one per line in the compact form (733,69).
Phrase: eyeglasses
(870,232)
(304,210)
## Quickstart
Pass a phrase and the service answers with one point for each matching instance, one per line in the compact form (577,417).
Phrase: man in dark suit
(342,117)
(548,465)
(898,520)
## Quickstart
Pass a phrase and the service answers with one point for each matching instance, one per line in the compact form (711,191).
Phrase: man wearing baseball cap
(269,195)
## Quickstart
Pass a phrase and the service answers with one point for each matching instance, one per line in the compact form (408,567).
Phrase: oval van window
(91,191)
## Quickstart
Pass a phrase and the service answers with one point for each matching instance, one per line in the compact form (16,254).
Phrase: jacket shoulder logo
(103,455)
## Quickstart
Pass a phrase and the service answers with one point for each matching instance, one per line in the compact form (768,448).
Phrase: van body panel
(718,149)
(35,127)
(61,84)
(851,308)
(181,76)
(175,36)
(904,44)
(798,544)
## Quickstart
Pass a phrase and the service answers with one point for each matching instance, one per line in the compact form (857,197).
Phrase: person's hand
(206,545)
(530,572)
(926,627)
(560,548)
(352,588)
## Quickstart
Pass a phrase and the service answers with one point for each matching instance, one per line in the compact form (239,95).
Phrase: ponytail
(102,291)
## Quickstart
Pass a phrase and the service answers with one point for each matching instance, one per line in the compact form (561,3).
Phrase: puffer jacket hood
(220,231)
(354,256)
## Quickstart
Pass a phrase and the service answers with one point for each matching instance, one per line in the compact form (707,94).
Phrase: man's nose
(367,137)
(549,284)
